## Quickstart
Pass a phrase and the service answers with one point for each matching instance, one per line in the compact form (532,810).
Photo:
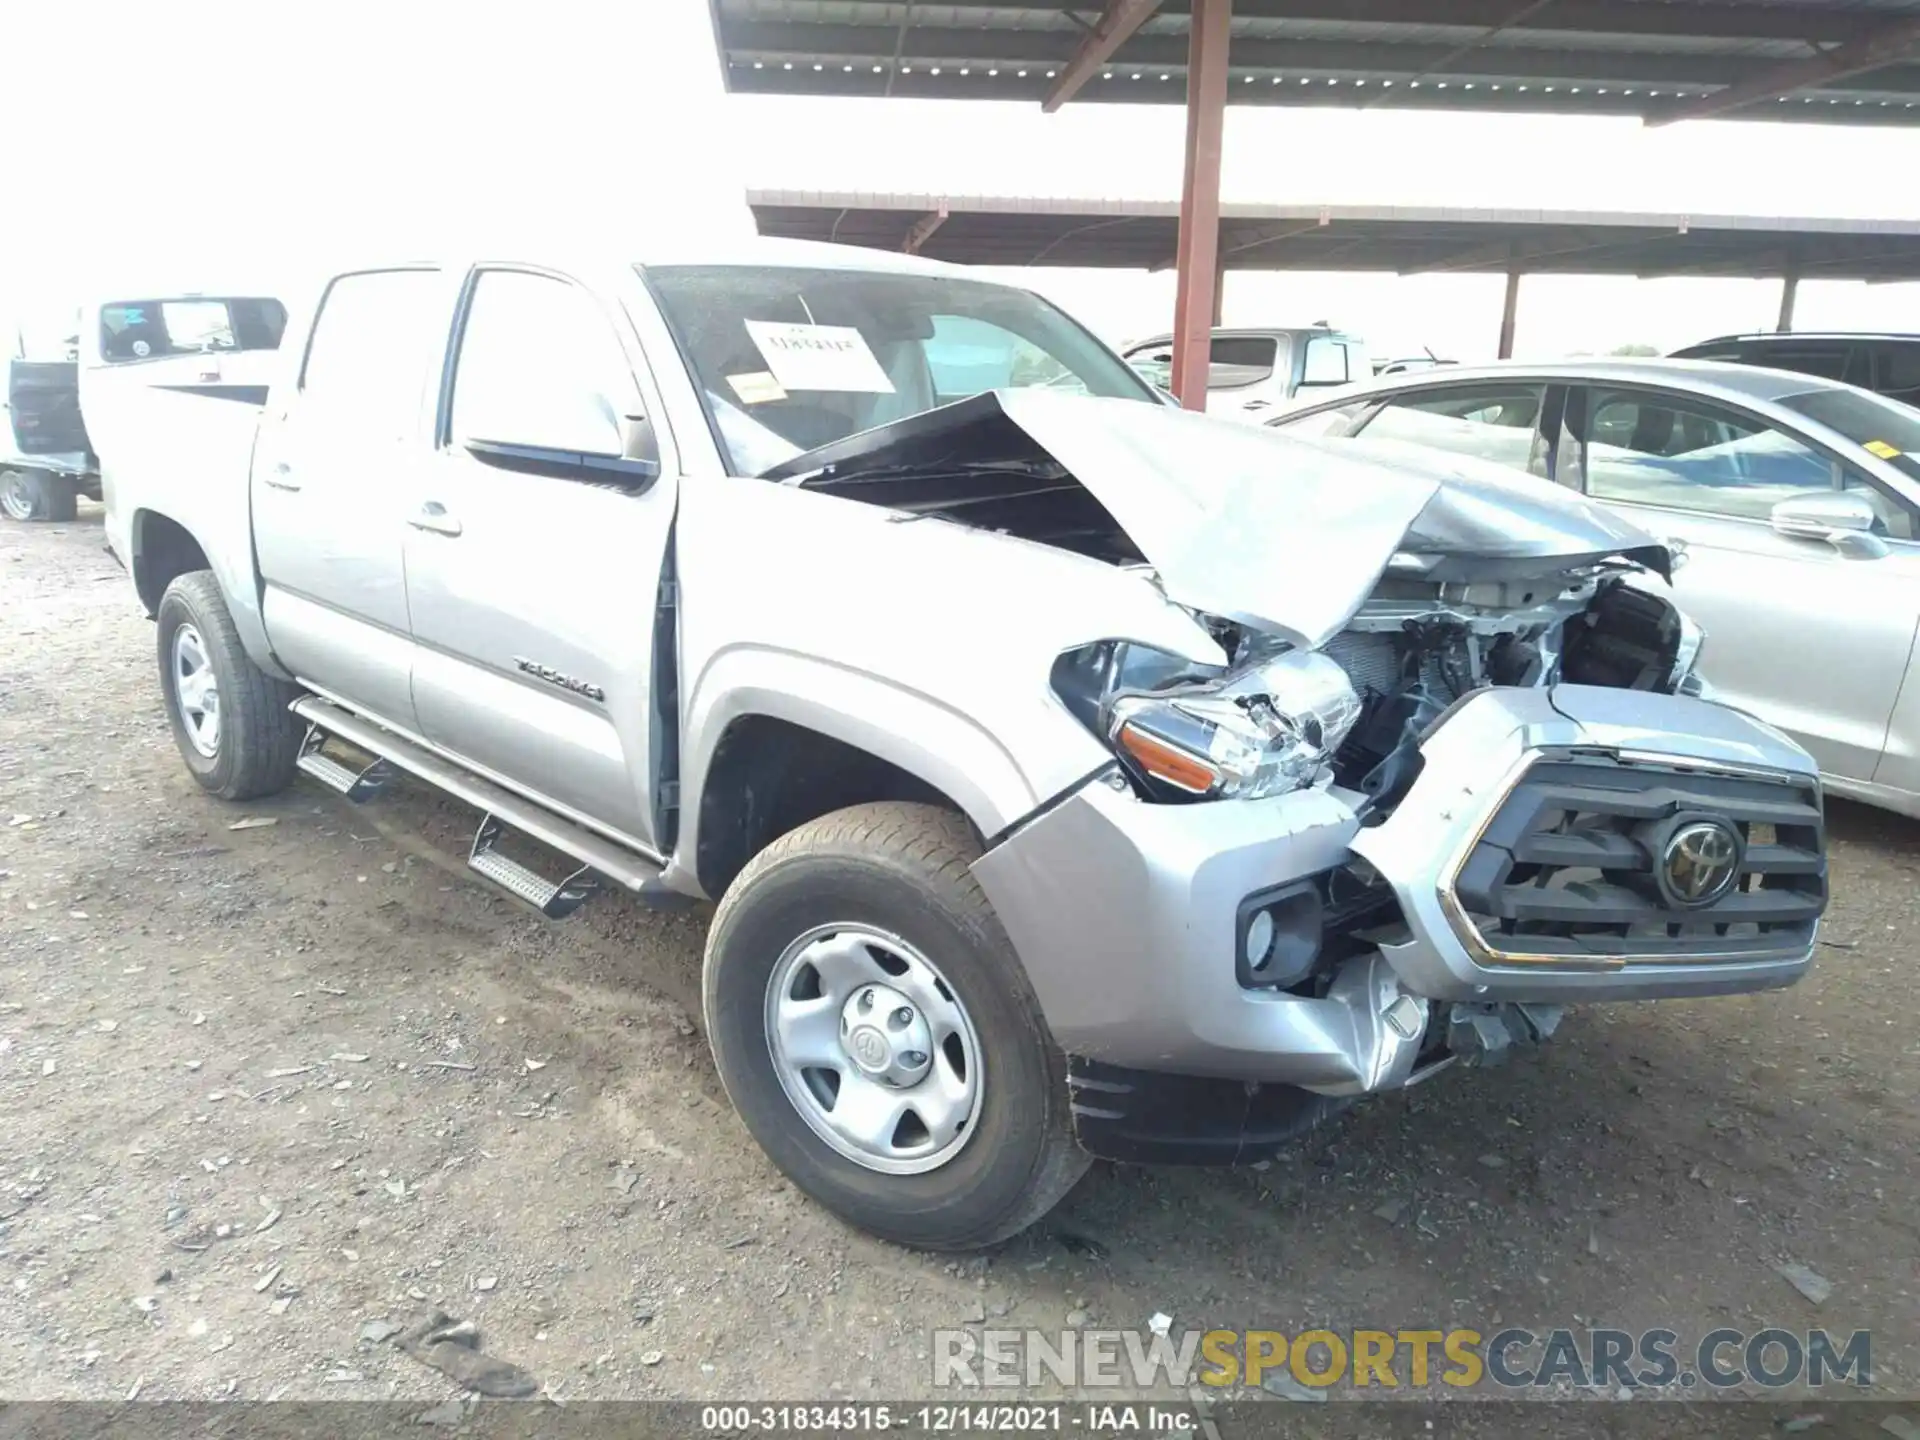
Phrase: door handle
(280,477)
(433,516)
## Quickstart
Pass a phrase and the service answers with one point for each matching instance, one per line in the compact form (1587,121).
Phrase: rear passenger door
(534,582)
(1798,633)
(334,468)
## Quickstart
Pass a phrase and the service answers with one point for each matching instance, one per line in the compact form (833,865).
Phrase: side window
(1486,422)
(1326,362)
(1827,361)
(375,342)
(1237,360)
(1647,448)
(1896,372)
(540,364)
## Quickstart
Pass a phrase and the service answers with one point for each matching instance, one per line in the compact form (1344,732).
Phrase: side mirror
(1837,517)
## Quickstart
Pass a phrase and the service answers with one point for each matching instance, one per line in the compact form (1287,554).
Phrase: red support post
(1199,255)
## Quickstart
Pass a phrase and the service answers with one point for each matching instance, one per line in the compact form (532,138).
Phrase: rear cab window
(133,330)
(1237,361)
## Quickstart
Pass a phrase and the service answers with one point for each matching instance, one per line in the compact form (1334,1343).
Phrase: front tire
(29,495)
(855,973)
(230,719)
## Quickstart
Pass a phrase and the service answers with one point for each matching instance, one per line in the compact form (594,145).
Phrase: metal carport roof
(1011,230)
(1842,60)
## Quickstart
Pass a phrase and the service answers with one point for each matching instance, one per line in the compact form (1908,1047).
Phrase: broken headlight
(1263,728)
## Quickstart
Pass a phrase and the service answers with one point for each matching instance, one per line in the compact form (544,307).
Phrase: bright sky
(270,139)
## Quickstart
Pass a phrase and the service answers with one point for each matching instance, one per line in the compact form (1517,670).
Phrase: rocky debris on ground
(1810,1283)
(452,1347)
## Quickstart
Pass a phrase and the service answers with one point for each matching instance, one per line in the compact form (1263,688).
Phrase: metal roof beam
(928,45)
(1703,19)
(1114,29)
(1510,255)
(1884,46)
(1256,242)
(1699,19)
(923,229)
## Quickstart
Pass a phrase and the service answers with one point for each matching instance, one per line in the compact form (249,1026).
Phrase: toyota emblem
(1701,863)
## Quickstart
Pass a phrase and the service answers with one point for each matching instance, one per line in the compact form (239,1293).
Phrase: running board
(556,902)
(598,856)
(359,786)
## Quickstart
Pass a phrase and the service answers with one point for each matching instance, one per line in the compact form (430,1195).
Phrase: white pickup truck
(1074,775)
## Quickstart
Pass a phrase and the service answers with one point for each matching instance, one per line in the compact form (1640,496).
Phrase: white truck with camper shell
(1072,775)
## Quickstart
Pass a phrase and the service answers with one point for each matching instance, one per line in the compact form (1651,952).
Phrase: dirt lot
(260,1087)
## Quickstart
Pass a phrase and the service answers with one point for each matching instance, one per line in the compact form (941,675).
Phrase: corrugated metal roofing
(1014,230)
(1631,57)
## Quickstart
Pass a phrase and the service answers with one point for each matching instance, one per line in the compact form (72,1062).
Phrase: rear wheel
(877,1034)
(230,719)
(37,495)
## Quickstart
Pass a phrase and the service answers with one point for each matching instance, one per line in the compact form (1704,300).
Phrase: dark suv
(1889,364)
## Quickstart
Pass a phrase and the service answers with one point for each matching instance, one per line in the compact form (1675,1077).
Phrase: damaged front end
(1428,794)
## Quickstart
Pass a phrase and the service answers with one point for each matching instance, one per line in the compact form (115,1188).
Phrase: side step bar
(556,902)
(359,786)
(597,855)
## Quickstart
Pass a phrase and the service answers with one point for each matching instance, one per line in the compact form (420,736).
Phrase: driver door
(1799,632)
(533,586)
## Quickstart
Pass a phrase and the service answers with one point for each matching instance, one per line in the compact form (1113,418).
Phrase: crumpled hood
(1243,522)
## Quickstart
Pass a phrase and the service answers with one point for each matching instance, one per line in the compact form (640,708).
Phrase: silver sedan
(1796,502)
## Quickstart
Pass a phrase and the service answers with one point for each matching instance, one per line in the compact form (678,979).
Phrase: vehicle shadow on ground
(1849,820)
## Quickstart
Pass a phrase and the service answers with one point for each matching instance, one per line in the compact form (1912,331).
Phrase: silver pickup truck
(1074,775)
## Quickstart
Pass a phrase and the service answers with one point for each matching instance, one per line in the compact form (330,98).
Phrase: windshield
(1881,427)
(787,359)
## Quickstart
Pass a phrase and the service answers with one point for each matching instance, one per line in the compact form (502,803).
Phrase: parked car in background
(1889,364)
(1073,774)
(1253,372)
(46,463)
(1797,501)
(68,416)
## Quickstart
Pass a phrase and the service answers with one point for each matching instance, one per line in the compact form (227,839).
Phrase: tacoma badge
(555,677)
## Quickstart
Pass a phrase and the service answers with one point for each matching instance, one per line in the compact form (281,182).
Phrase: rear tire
(38,495)
(252,741)
(901,872)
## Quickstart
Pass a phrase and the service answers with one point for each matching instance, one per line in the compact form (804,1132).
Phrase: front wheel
(230,719)
(878,1036)
(37,495)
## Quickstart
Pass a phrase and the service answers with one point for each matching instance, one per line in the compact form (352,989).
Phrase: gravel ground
(261,1087)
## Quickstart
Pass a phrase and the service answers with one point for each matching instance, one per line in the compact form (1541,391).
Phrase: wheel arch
(163,551)
(801,739)
(162,548)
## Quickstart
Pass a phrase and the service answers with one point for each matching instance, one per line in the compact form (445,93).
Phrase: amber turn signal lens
(1169,763)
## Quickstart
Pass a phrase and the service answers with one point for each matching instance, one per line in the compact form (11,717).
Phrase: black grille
(1567,865)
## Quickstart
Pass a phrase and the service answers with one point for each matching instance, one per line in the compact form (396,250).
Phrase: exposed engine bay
(1411,652)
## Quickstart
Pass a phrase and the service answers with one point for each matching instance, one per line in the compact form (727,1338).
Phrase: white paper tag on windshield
(756,388)
(819,357)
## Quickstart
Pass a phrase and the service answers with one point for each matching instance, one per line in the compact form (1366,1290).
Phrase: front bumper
(1124,913)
